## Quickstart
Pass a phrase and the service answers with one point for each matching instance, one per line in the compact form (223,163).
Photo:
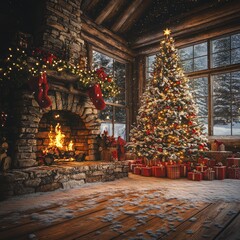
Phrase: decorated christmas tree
(167,126)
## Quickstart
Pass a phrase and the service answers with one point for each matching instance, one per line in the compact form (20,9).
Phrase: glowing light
(167,32)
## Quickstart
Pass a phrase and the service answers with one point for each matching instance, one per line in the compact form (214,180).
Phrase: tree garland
(22,65)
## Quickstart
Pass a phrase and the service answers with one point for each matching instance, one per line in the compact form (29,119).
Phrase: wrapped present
(233,162)
(209,174)
(137,170)
(159,171)
(220,172)
(207,162)
(233,172)
(146,171)
(195,176)
(173,171)
(201,168)
(184,168)
(132,166)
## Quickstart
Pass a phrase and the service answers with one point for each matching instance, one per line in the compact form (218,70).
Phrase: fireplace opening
(63,136)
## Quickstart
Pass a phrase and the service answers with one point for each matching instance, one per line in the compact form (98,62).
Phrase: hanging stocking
(95,95)
(37,88)
(45,101)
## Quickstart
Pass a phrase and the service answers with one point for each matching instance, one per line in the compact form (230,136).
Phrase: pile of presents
(204,169)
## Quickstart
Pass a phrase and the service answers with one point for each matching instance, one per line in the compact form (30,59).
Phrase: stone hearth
(59,176)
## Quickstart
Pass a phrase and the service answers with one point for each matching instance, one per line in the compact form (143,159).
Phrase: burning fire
(57,138)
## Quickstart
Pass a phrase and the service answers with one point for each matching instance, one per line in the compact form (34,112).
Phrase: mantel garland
(22,66)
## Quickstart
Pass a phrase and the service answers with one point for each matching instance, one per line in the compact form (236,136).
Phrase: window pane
(107,127)
(235,56)
(188,65)
(200,63)
(101,60)
(149,65)
(120,76)
(204,121)
(220,45)
(221,84)
(221,128)
(120,130)
(200,49)
(186,53)
(106,114)
(221,59)
(120,114)
(235,41)
(236,125)
(199,86)
(202,104)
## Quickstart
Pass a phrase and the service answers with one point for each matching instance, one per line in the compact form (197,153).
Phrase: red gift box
(159,171)
(220,172)
(195,176)
(201,168)
(207,162)
(146,171)
(137,170)
(184,168)
(132,166)
(233,161)
(209,174)
(233,172)
(173,171)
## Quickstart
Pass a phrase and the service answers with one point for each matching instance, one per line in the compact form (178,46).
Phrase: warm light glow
(70,146)
(59,136)
(56,138)
(167,32)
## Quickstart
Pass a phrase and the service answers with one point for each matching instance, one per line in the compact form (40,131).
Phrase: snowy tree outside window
(113,117)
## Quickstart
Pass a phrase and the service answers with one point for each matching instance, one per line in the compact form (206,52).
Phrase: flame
(56,139)
(70,146)
(59,136)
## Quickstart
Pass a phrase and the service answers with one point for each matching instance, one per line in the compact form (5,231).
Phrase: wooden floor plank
(232,231)
(28,225)
(79,227)
(197,227)
(155,226)
(128,225)
(131,214)
(25,216)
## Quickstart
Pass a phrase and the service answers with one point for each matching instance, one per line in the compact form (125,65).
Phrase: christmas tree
(167,125)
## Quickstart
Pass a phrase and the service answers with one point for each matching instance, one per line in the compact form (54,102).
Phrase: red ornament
(95,94)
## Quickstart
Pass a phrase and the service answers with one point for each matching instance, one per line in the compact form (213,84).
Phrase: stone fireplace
(30,125)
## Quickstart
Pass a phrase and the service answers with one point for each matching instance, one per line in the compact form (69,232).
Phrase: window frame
(114,105)
(209,72)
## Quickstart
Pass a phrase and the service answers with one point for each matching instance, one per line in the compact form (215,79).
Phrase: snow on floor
(227,190)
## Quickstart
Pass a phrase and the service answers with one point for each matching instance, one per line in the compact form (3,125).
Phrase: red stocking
(95,95)
(45,101)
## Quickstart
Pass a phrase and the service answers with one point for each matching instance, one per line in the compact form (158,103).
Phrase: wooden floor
(134,215)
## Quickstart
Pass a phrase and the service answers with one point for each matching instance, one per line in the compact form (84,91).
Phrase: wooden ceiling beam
(135,16)
(105,14)
(209,18)
(87,5)
(126,14)
(104,39)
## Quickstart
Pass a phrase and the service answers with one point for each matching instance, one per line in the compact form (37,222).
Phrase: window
(199,88)
(149,65)
(216,90)
(226,103)
(194,58)
(113,117)
(225,51)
